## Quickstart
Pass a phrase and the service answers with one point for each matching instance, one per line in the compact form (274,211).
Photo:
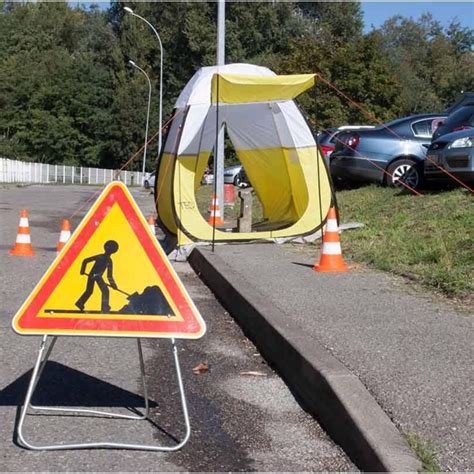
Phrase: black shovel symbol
(150,302)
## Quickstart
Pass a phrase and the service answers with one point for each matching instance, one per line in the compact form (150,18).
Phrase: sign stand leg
(37,372)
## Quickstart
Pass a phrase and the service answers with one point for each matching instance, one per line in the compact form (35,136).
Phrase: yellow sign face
(112,278)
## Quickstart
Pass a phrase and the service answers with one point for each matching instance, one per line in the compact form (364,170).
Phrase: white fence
(13,171)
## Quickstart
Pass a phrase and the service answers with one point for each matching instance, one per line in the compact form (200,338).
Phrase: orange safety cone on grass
(151,224)
(65,235)
(23,245)
(331,254)
(215,217)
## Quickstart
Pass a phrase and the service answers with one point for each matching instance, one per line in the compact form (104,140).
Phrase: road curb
(323,385)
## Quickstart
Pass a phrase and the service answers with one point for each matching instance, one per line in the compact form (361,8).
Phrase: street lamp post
(219,155)
(147,113)
(160,135)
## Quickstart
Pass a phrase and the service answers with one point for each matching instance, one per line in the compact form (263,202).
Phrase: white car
(149,181)
(231,173)
(208,178)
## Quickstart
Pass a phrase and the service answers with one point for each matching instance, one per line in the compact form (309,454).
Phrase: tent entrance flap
(241,89)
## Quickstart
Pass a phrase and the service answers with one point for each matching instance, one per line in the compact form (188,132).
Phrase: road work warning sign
(111,279)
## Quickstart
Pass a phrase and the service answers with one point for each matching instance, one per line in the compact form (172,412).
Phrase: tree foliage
(68,94)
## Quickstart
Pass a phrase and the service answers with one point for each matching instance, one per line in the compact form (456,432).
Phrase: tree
(56,84)
(432,66)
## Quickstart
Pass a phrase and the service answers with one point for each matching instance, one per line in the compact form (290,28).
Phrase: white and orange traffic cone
(331,255)
(23,245)
(65,235)
(151,224)
(215,217)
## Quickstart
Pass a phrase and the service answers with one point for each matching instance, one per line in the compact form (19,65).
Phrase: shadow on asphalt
(62,386)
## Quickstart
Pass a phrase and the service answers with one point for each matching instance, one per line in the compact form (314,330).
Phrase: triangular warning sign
(111,279)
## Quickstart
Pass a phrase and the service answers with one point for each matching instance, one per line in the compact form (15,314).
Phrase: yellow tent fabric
(241,89)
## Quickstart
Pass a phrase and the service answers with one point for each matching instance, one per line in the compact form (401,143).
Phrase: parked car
(231,174)
(326,141)
(461,119)
(207,178)
(149,181)
(454,152)
(327,138)
(395,148)
(234,174)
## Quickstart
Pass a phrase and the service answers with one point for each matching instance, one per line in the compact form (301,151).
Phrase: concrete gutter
(323,386)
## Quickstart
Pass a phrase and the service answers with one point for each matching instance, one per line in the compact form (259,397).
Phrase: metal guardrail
(14,171)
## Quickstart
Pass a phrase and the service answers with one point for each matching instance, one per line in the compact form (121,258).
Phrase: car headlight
(466,142)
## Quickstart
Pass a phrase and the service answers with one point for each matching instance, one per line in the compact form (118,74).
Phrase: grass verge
(424,452)
(429,239)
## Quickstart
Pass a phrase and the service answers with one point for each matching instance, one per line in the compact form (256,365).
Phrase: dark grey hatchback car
(386,154)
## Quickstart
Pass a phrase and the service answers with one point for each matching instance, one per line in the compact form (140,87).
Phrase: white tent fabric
(197,90)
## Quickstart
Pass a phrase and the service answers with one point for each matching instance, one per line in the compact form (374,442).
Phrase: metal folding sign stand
(38,370)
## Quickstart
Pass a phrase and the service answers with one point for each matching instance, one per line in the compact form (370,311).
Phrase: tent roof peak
(198,89)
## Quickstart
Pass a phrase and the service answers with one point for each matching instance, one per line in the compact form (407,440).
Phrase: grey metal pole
(160,135)
(147,115)
(219,161)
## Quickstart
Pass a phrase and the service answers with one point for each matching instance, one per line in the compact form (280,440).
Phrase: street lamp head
(132,62)
(129,10)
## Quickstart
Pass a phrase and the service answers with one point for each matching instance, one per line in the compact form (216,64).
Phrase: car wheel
(237,180)
(407,171)
(146,185)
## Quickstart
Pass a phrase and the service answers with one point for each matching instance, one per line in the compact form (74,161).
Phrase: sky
(375,13)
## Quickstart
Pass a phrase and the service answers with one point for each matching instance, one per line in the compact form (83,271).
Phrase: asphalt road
(239,422)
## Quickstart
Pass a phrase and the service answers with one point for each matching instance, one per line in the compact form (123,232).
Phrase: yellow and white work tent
(271,139)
